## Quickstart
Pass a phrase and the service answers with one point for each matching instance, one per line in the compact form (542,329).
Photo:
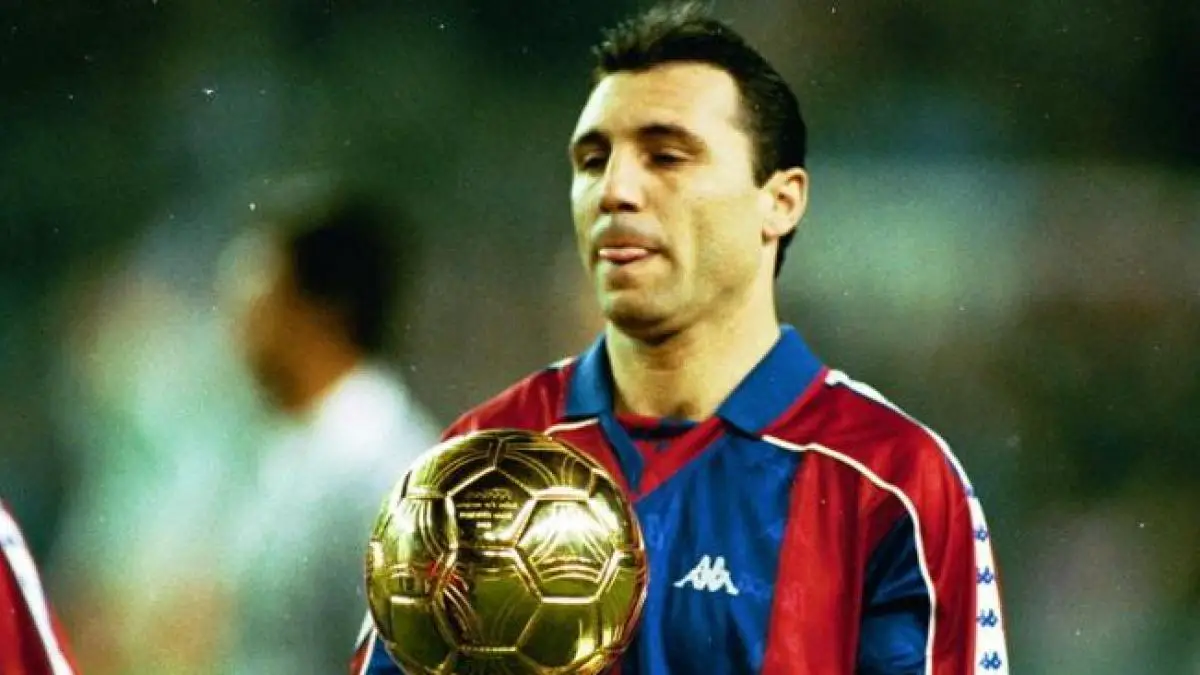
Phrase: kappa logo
(709,575)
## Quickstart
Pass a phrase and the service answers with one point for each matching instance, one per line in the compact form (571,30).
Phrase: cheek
(583,214)
(727,243)
(252,334)
(583,200)
(260,327)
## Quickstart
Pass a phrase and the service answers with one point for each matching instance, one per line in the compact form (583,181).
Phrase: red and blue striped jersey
(810,526)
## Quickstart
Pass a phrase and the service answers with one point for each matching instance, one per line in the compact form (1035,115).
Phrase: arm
(31,639)
(946,564)
(895,619)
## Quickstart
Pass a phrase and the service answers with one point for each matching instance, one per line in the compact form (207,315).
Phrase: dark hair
(344,255)
(686,32)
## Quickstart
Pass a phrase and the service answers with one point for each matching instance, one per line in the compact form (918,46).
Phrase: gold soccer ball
(506,551)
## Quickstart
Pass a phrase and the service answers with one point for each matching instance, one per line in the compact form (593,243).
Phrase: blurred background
(1004,237)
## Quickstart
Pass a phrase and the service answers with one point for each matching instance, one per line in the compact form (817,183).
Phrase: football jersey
(31,640)
(809,526)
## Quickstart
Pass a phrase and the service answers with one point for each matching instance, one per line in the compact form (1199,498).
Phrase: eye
(592,162)
(667,159)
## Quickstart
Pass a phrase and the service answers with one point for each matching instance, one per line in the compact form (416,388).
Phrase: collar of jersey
(768,391)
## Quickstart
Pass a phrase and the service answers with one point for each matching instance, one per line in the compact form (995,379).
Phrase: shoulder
(371,414)
(534,402)
(852,424)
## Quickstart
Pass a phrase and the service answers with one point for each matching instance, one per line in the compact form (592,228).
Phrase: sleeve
(370,658)
(31,638)
(931,602)
(895,620)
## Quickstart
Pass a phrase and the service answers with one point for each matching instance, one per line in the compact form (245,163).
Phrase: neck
(315,374)
(690,373)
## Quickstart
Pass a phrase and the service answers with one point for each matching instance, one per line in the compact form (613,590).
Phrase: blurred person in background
(312,293)
(31,639)
(163,423)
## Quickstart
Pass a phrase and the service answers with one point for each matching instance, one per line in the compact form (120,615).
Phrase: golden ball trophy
(506,551)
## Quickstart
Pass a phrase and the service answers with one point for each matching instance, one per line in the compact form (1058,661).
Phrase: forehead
(699,97)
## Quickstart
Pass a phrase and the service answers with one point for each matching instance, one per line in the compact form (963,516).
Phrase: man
(796,522)
(31,639)
(314,292)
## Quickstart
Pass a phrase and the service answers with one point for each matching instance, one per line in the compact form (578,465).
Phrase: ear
(784,200)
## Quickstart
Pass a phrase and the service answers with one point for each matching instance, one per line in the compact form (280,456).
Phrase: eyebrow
(594,137)
(671,132)
(657,131)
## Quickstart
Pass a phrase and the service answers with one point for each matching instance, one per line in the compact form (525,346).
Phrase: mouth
(623,255)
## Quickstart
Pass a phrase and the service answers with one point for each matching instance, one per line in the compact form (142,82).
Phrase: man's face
(259,301)
(669,221)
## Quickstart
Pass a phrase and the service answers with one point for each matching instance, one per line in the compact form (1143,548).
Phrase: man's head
(688,169)
(313,285)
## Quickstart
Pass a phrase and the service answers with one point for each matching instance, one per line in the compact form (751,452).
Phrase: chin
(638,320)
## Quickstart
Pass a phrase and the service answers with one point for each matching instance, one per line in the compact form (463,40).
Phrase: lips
(621,255)
(622,243)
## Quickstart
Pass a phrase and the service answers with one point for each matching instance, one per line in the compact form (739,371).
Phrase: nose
(622,185)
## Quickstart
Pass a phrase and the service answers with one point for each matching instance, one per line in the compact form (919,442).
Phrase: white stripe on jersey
(991,653)
(569,426)
(370,648)
(367,626)
(12,543)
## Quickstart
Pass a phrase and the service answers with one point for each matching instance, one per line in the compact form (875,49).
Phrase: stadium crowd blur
(1004,234)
